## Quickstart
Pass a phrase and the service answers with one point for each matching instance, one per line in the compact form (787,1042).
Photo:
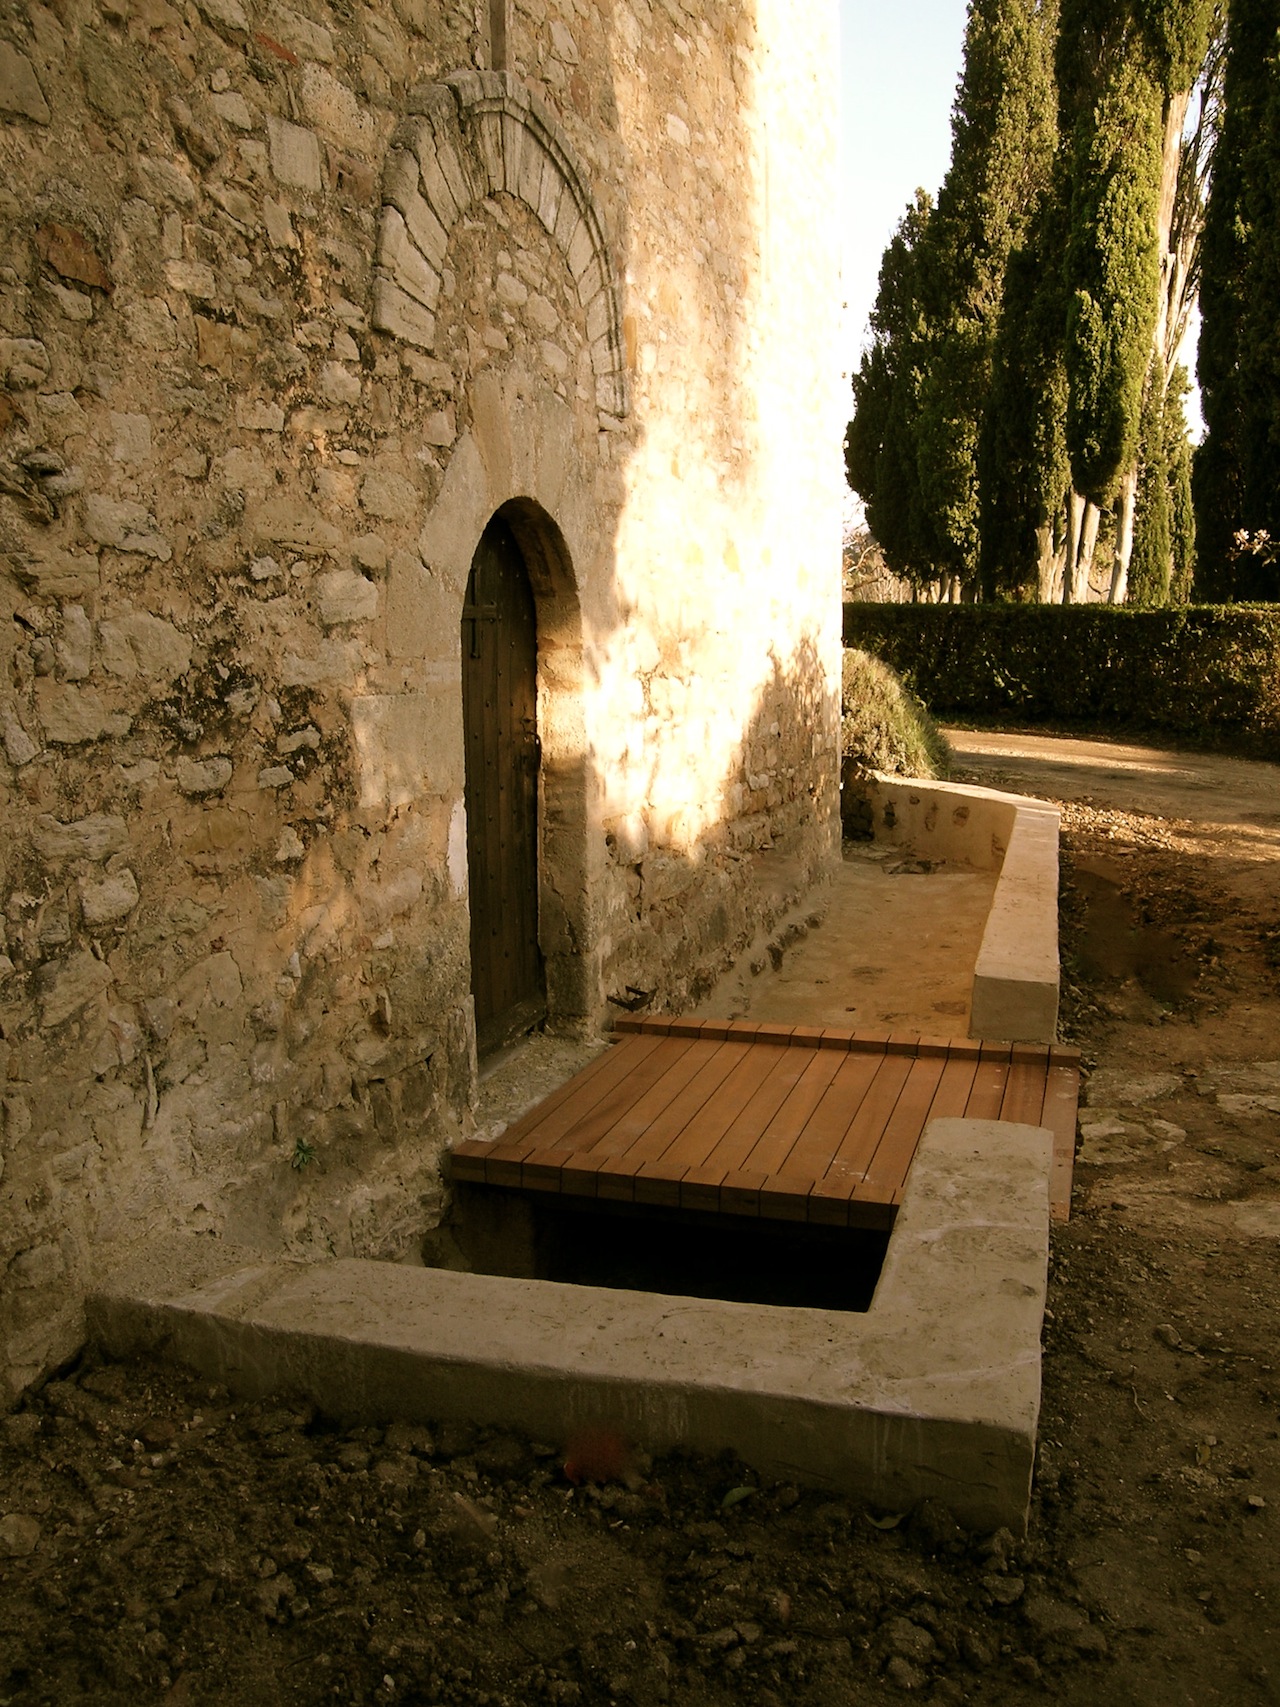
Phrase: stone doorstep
(933,1393)
(1016,979)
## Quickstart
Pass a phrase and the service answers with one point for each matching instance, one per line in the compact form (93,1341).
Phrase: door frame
(566,938)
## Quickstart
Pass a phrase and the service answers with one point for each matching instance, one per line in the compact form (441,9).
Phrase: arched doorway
(502,750)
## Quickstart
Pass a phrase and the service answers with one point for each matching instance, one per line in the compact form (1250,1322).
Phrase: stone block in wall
(335,111)
(344,597)
(396,312)
(124,525)
(400,742)
(106,901)
(96,837)
(307,39)
(259,415)
(75,644)
(20,90)
(164,182)
(338,384)
(292,521)
(71,254)
(199,777)
(112,78)
(144,646)
(71,715)
(65,987)
(405,261)
(19,748)
(330,663)
(423,617)
(24,362)
(224,14)
(390,496)
(54,574)
(295,155)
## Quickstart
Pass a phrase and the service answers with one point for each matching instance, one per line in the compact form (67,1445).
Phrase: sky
(900,64)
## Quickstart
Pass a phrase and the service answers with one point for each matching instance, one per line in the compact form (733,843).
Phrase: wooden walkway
(791,1123)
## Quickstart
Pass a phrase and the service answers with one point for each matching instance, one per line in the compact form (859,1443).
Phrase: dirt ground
(161,1543)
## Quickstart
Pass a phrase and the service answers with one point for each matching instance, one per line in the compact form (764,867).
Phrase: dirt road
(160,1543)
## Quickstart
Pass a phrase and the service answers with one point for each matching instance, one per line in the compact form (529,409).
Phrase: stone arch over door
(475,134)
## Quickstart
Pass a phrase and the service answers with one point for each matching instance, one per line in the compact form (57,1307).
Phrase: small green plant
(303,1155)
(883,726)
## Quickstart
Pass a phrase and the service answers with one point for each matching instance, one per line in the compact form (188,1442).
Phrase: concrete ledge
(1016,980)
(934,1392)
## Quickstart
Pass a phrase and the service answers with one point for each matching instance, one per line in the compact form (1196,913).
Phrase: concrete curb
(1016,979)
(934,1393)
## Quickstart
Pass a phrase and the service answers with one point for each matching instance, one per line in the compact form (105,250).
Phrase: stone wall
(292,300)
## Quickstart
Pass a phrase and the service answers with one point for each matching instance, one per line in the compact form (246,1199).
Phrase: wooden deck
(791,1123)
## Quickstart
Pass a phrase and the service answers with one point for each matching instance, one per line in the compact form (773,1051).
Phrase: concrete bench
(1016,979)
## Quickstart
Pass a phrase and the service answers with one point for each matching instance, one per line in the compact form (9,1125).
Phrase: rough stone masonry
(293,299)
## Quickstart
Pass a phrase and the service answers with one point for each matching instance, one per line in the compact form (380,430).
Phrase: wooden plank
(596,1122)
(872,1217)
(781,1133)
(741,1191)
(806,1037)
(951,1097)
(658,1183)
(785,1197)
(853,1156)
(712,1062)
(811,1154)
(557,1112)
(544,1171)
(1024,1092)
(700,1188)
(467,1163)
(988,1083)
(1062,1094)
(647,1113)
(737,1142)
(794,1123)
(966,1048)
(887,1171)
(767,1032)
(647,1025)
(692,1147)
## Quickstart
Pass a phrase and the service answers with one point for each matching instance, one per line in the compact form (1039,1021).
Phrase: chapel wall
(238,501)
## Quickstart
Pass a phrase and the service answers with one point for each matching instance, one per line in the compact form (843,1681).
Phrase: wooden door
(500,715)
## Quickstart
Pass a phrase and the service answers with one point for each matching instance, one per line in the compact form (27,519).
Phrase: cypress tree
(1111,116)
(1003,142)
(1126,76)
(1023,470)
(1151,564)
(880,445)
(1182,521)
(1236,473)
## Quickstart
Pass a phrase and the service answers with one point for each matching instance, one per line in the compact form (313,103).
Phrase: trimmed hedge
(1196,670)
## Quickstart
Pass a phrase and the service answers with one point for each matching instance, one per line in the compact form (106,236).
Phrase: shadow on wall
(685,906)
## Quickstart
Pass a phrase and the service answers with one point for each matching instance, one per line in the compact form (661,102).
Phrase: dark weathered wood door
(500,713)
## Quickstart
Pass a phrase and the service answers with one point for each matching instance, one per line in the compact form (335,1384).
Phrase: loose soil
(161,1542)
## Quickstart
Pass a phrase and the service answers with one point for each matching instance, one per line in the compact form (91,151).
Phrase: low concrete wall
(1016,980)
(934,1393)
